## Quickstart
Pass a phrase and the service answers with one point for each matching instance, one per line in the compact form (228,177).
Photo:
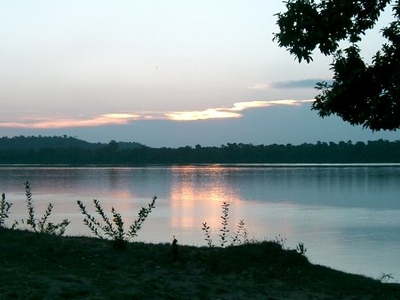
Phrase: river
(347,216)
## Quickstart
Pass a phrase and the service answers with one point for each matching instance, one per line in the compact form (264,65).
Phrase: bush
(239,237)
(114,228)
(4,210)
(42,225)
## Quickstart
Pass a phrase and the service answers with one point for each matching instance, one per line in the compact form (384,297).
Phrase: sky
(161,73)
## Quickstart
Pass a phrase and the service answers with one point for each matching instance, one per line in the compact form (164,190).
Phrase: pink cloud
(126,117)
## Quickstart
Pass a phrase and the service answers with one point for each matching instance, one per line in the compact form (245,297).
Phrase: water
(348,216)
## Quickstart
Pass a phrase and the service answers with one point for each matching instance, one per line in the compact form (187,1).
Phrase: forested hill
(68,150)
(55,142)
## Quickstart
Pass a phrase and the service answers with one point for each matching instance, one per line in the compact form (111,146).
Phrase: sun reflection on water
(191,205)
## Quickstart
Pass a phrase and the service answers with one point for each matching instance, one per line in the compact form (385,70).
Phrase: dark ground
(38,266)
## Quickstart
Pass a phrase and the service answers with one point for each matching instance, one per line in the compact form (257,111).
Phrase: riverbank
(37,266)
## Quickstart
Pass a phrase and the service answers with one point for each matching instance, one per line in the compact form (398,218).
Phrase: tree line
(114,153)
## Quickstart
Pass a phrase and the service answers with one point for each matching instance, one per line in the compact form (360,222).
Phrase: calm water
(347,216)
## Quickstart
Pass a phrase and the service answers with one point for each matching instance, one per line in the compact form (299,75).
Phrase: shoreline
(40,266)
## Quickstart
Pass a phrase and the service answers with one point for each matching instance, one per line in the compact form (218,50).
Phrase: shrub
(239,237)
(114,228)
(224,230)
(4,210)
(207,232)
(301,249)
(42,225)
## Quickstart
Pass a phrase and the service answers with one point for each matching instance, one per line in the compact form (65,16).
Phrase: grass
(44,266)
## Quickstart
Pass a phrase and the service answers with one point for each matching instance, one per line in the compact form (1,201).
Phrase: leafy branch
(114,228)
(42,225)
(224,230)
(239,237)
(207,232)
(4,210)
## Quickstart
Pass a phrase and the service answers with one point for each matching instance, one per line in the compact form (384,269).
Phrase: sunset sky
(162,73)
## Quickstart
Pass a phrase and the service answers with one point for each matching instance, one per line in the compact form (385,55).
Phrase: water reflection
(348,217)
(197,195)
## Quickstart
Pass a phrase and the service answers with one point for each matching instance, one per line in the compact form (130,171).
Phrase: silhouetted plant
(4,210)
(31,209)
(114,229)
(279,240)
(42,225)
(385,277)
(239,237)
(224,230)
(207,232)
(143,213)
(301,249)
(240,234)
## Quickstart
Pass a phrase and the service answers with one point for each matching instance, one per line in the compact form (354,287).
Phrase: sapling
(114,228)
(240,235)
(42,225)
(4,210)
(224,230)
(207,232)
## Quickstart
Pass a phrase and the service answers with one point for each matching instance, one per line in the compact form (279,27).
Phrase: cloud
(259,86)
(229,112)
(122,118)
(296,84)
(291,84)
(218,113)
(39,123)
(254,104)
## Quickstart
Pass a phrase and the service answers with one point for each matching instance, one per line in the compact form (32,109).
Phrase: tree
(112,146)
(360,93)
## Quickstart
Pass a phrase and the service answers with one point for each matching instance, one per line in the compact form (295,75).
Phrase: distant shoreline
(70,151)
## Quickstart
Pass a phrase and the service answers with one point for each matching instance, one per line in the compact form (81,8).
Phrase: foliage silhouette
(224,229)
(207,232)
(4,210)
(42,225)
(114,228)
(239,237)
(361,94)
(379,151)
